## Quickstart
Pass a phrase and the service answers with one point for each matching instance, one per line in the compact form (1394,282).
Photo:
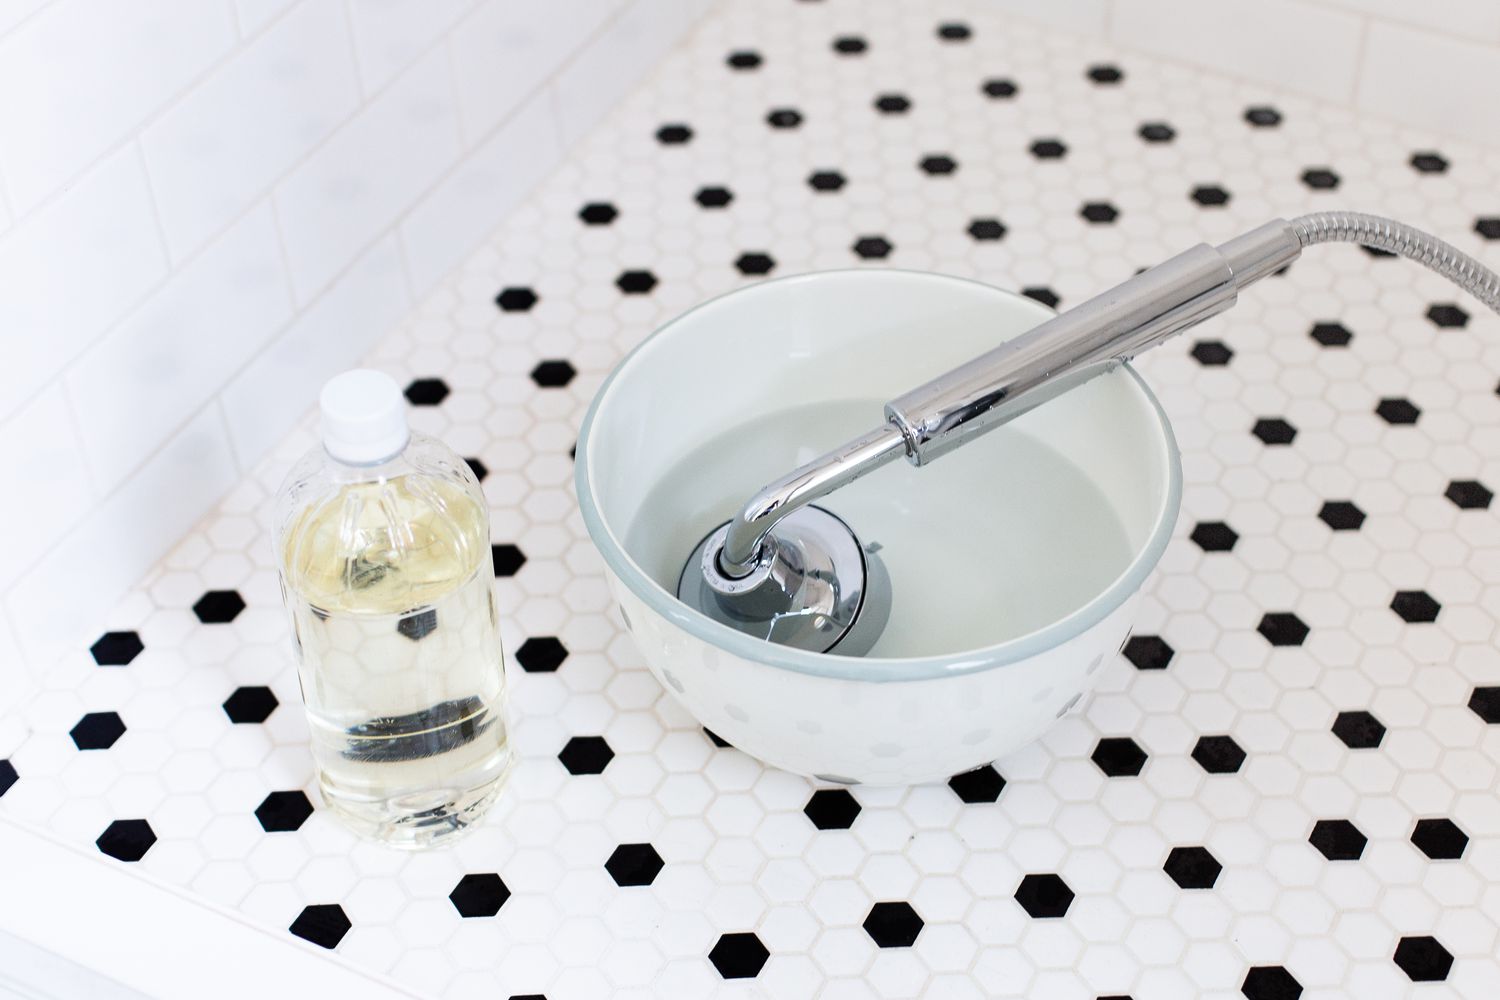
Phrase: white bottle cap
(364,417)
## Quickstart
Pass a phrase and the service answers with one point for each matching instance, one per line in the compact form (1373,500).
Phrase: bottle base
(414,821)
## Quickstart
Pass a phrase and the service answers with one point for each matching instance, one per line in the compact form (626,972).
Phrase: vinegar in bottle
(384,551)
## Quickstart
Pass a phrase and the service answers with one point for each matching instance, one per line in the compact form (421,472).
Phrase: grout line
(286,271)
(26,20)
(1359,62)
(217,402)
(96,491)
(361,83)
(161,229)
(236,20)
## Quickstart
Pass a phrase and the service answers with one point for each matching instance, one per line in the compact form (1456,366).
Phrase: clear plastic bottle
(384,550)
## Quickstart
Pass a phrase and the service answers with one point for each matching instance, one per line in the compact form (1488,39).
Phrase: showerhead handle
(1084,342)
(1024,372)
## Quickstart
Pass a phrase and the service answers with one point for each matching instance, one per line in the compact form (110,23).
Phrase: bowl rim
(874,669)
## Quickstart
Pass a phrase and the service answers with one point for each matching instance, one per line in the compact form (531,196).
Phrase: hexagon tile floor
(1285,786)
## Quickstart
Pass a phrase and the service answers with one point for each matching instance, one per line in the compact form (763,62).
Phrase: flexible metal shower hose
(1399,238)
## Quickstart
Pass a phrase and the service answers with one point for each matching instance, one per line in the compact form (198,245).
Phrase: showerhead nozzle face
(813,587)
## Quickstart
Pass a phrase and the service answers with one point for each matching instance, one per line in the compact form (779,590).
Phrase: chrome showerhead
(795,574)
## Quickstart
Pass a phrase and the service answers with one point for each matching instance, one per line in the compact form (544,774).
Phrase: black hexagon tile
(1044,896)
(126,839)
(516,299)
(893,925)
(1359,730)
(999,89)
(284,812)
(586,755)
(784,118)
(427,392)
(541,654)
(1440,839)
(636,281)
(598,213)
(324,924)
(1331,334)
(97,731)
(1262,116)
(986,229)
(479,895)
(1214,536)
(1274,430)
(1423,959)
(507,558)
(1042,294)
(983,784)
(1192,867)
(1396,410)
(250,704)
(1485,703)
(826,181)
(553,374)
(713,196)
(1157,132)
(1283,628)
(1341,515)
(634,864)
(1320,179)
(1212,353)
(675,134)
(1148,652)
(1119,756)
(832,809)
(739,955)
(1469,494)
(116,649)
(1218,754)
(1270,982)
(1337,839)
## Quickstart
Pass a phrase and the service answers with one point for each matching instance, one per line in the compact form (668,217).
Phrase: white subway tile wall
(1435,81)
(138,384)
(83,74)
(207,207)
(1306,47)
(500,60)
(333,205)
(73,269)
(49,486)
(209,161)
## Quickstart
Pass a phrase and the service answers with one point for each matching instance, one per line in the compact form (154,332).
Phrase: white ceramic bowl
(751,356)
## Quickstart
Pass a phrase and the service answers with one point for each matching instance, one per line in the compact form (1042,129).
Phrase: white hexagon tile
(1285,786)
